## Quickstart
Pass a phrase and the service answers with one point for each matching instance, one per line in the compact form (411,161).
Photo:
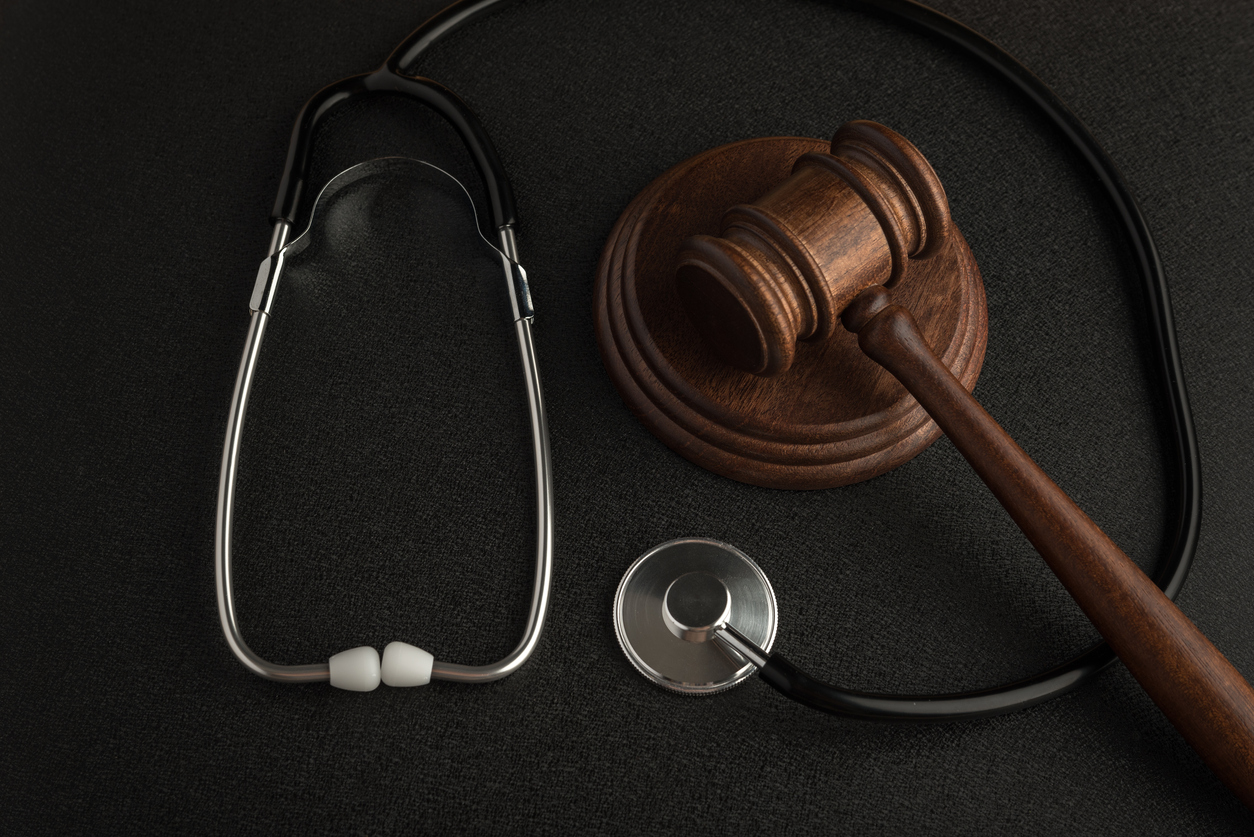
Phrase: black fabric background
(384,489)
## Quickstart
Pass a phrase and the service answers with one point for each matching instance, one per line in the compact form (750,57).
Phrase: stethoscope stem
(730,639)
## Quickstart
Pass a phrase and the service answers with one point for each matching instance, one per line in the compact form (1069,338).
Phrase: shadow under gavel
(823,250)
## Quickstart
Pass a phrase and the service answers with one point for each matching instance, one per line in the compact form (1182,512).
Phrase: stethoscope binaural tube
(360,669)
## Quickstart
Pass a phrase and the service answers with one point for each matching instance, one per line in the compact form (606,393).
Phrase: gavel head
(787,265)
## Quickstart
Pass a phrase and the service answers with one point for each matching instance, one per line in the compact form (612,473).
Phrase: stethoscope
(693,615)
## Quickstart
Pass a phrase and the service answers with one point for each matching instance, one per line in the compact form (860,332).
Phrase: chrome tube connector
(515,276)
(267,284)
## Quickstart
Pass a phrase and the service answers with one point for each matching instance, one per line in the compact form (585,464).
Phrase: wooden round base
(835,417)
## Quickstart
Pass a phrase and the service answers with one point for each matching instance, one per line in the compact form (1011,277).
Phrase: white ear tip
(405,665)
(356,669)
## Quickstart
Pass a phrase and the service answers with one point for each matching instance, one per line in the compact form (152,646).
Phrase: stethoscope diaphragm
(671,600)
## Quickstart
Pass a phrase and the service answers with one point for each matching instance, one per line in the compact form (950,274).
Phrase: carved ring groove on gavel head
(699,309)
(787,265)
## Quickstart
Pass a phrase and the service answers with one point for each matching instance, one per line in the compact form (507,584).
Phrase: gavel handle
(1191,681)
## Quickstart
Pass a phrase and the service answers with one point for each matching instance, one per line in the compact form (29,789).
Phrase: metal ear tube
(360,669)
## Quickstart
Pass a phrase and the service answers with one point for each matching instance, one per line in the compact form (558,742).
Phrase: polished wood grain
(1191,681)
(784,267)
(833,417)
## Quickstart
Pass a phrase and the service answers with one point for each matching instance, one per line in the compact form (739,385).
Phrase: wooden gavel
(824,248)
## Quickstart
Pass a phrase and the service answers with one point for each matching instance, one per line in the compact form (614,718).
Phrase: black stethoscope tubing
(390,79)
(1183,465)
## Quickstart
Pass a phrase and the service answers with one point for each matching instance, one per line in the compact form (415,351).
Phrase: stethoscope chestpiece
(673,599)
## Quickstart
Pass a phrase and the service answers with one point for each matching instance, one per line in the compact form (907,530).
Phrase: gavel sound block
(833,416)
(826,328)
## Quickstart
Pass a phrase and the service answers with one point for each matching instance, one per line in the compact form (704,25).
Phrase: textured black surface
(384,490)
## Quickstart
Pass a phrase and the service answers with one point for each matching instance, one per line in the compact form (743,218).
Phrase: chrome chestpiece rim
(671,600)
